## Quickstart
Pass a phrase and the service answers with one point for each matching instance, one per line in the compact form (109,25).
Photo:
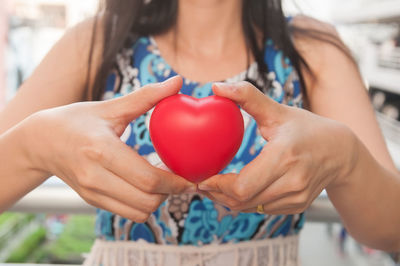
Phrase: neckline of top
(237,77)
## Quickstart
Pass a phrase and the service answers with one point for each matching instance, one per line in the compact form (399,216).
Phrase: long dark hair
(135,18)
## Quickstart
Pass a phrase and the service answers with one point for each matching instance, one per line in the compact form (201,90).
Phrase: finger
(293,204)
(281,206)
(252,179)
(117,207)
(117,188)
(264,110)
(129,107)
(123,161)
(218,183)
(162,166)
(235,205)
(221,198)
(278,211)
(290,202)
(209,196)
(281,188)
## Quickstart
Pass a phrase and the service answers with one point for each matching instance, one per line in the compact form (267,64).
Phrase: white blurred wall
(3,36)
(34,28)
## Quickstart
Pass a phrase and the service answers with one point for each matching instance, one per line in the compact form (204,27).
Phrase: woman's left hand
(305,153)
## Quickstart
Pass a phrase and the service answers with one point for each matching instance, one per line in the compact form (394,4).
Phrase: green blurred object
(30,244)
(77,238)
(11,224)
(7,216)
(74,235)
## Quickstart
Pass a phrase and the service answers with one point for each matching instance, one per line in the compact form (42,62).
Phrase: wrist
(32,145)
(349,165)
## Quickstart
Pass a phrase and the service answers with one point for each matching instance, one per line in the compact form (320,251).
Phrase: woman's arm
(58,80)
(368,199)
(307,152)
(80,143)
(43,134)
(17,174)
(337,90)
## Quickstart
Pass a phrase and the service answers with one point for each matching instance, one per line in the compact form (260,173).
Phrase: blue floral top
(194,219)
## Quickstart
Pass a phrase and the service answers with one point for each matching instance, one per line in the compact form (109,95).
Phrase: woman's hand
(305,153)
(80,144)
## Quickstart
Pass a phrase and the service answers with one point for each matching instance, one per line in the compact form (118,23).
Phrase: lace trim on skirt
(281,251)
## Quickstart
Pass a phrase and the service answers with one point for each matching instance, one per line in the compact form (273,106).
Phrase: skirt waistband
(281,251)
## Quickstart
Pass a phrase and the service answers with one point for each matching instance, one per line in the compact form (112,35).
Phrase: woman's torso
(193,219)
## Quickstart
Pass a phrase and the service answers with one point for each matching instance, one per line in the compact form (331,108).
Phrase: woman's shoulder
(312,34)
(79,51)
(59,79)
(86,36)
(312,24)
(319,43)
(322,37)
(65,66)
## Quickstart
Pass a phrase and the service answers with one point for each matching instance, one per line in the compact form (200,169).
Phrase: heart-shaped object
(196,138)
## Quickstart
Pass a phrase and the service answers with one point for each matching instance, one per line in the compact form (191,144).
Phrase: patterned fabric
(194,219)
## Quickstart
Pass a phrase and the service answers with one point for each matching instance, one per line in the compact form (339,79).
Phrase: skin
(85,155)
(210,42)
(335,145)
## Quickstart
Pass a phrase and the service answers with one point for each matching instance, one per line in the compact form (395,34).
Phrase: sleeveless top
(194,219)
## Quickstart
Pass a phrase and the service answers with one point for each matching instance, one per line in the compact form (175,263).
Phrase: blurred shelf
(381,67)
(391,131)
(371,12)
(322,244)
(385,74)
(385,79)
(54,200)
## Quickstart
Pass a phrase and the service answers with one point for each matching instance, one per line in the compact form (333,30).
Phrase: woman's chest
(193,219)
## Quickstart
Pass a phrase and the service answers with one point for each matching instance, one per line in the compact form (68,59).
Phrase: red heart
(196,138)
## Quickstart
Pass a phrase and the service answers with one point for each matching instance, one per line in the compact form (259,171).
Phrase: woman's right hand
(80,143)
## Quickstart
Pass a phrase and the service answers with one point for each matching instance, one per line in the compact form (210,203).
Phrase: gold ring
(260,209)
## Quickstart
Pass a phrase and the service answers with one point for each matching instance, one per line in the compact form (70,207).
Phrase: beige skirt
(270,252)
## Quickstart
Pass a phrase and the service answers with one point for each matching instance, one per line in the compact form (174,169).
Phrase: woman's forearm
(368,202)
(18,175)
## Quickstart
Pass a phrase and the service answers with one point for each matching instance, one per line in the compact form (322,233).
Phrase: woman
(296,62)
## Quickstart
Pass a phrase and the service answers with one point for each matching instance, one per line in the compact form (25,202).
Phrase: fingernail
(170,79)
(204,187)
(224,85)
(163,167)
(190,190)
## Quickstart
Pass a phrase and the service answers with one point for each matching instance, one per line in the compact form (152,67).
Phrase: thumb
(264,110)
(127,108)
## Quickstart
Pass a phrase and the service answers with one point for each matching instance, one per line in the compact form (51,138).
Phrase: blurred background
(52,225)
